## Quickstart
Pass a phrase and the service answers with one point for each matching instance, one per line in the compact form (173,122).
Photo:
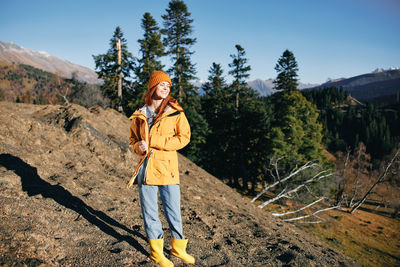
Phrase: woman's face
(162,90)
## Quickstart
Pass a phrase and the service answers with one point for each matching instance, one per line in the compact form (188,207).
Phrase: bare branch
(314,178)
(310,215)
(295,211)
(293,173)
(320,221)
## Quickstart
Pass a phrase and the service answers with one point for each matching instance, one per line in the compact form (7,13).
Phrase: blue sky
(329,38)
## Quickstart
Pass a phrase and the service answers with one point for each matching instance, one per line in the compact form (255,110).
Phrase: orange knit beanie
(158,76)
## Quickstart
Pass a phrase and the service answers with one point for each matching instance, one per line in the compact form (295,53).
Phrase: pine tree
(216,82)
(240,73)
(296,134)
(107,70)
(177,31)
(217,110)
(241,93)
(248,144)
(287,72)
(151,49)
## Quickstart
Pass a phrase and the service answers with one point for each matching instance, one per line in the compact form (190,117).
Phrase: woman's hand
(143,146)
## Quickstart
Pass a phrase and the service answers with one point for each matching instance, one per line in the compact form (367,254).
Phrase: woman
(158,130)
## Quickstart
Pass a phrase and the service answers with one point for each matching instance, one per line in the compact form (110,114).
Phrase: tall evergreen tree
(248,145)
(178,40)
(287,72)
(296,134)
(216,82)
(151,49)
(240,73)
(217,109)
(107,70)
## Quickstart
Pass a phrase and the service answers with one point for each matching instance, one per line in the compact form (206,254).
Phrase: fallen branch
(310,215)
(295,211)
(287,194)
(320,221)
(293,173)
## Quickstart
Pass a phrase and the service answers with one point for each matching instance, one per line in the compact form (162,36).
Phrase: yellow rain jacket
(168,134)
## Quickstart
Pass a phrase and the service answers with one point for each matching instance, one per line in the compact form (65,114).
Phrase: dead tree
(289,193)
(292,187)
(381,178)
(341,195)
(293,173)
(353,176)
(63,88)
(362,164)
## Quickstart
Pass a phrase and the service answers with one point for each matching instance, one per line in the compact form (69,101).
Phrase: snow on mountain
(377,70)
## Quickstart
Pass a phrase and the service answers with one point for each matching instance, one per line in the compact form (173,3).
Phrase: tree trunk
(379,180)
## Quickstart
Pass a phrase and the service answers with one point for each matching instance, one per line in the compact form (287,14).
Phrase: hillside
(27,84)
(13,53)
(64,202)
(376,86)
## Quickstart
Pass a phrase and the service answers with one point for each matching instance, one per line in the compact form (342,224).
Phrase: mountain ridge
(383,85)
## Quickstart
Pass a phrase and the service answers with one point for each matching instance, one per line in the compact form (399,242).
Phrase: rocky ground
(63,201)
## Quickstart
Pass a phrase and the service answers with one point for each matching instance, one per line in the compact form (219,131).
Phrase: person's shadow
(34,185)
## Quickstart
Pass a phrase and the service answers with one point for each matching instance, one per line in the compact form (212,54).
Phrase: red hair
(161,109)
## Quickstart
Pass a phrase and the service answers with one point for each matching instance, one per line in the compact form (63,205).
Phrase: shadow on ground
(33,185)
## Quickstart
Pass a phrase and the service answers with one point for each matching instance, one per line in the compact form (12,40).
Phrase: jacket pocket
(161,164)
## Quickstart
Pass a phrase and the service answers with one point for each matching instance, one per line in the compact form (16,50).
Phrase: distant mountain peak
(266,87)
(330,80)
(377,70)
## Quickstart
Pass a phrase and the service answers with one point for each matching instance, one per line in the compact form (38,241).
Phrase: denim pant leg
(149,205)
(171,201)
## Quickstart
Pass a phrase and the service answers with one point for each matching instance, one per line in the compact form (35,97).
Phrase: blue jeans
(171,201)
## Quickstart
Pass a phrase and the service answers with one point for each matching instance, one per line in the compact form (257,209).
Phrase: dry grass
(368,238)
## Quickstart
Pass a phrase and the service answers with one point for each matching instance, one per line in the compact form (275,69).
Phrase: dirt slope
(63,201)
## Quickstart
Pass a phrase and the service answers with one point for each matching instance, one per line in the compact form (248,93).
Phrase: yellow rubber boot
(179,250)
(157,253)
